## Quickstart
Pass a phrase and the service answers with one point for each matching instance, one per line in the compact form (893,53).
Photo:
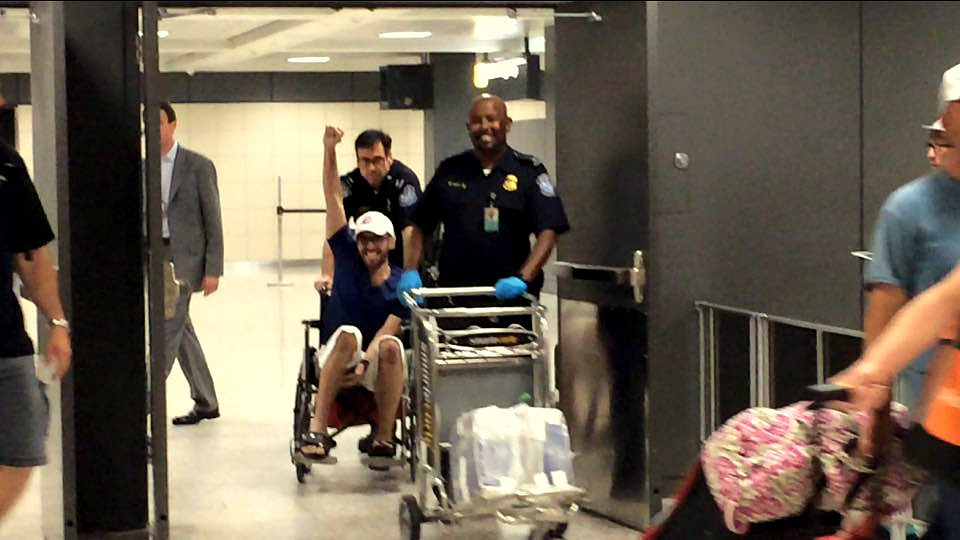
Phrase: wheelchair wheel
(302,472)
(411,517)
(301,423)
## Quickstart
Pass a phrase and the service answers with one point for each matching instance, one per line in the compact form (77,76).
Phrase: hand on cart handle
(409,280)
(508,288)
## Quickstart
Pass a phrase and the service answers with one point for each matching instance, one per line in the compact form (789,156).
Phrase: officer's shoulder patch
(408,196)
(546,186)
(527,158)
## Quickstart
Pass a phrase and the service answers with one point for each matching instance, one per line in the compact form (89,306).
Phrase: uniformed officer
(490,200)
(379,183)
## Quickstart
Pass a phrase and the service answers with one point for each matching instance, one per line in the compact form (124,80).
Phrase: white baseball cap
(936,126)
(949,87)
(376,223)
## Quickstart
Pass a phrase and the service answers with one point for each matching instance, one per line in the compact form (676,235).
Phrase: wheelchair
(353,406)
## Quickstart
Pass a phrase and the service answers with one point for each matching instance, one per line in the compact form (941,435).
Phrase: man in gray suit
(193,232)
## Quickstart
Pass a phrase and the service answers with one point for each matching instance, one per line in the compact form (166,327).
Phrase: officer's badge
(408,196)
(457,184)
(510,184)
(546,186)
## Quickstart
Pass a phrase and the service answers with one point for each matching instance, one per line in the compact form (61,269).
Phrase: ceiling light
(405,35)
(504,69)
(309,59)
(485,28)
(160,33)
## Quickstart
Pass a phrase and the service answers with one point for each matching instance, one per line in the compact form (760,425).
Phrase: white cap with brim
(376,223)
(936,126)
(949,87)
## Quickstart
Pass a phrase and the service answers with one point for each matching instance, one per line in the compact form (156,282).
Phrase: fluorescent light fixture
(504,69)
(405,35)
(160,33)
(308,59)
(486,28)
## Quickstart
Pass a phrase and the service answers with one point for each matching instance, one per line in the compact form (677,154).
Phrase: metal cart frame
(548,509)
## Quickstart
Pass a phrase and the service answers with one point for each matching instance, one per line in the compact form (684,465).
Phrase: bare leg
(389,389)
(331,376)
(13,482)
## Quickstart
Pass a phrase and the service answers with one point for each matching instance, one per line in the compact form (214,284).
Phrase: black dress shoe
(195,416)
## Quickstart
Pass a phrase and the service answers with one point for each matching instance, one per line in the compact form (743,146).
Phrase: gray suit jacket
(193,214)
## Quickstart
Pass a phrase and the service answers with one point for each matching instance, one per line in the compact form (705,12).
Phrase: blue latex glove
(409,279)
(510,287)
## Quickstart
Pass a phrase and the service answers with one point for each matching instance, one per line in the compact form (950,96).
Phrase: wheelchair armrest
(313,323)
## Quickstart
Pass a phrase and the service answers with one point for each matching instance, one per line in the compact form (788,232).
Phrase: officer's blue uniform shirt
(526,201)
(354,300)
(398,194)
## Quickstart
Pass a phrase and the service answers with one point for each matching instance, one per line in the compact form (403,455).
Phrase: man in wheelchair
(362,319)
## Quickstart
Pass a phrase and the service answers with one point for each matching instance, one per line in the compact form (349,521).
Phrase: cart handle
(434,292)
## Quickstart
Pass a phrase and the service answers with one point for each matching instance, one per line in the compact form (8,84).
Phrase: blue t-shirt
(355,302)
(916,242)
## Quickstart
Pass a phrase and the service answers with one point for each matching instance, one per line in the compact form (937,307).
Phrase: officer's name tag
(491,219)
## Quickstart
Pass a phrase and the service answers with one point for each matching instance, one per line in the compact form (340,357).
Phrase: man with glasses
(916,243)
(936,139)
(379,183)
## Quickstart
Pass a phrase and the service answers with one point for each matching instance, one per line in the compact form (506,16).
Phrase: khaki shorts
(370,375)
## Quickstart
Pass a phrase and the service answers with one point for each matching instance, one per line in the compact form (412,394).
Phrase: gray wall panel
(305,87)
(765,100)
(601,134)
(776,201)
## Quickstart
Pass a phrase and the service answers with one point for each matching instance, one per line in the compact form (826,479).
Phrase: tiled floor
(232,477)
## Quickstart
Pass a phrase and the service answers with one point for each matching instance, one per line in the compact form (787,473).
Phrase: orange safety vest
(943,409)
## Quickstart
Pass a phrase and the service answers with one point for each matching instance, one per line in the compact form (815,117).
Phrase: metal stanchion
(279,282)
(280,212)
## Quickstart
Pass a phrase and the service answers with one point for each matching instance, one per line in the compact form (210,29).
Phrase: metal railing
(760,356)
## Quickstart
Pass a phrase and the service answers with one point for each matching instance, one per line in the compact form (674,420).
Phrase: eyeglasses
(935,145)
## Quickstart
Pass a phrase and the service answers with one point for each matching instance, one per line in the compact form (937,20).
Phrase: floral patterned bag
(765,464)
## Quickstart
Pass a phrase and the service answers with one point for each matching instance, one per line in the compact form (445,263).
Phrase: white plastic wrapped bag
(498,452)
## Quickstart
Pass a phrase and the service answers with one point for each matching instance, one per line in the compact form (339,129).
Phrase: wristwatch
(63,323)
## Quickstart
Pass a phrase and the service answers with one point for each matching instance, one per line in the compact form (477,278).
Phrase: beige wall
(252,144)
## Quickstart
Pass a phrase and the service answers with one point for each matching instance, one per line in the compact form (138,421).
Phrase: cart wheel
(410,518)
(544,533)
(302,472)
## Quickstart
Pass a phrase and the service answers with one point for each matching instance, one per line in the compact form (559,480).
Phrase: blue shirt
(166,178)
(916,242)
(355,301)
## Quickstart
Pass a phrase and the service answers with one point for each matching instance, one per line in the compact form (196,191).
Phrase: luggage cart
(493,366)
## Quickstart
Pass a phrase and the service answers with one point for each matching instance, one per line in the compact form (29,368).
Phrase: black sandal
(323,441)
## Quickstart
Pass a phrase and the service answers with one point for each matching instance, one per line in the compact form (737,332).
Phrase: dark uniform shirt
(398,194)
(475,251)
(23,227)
